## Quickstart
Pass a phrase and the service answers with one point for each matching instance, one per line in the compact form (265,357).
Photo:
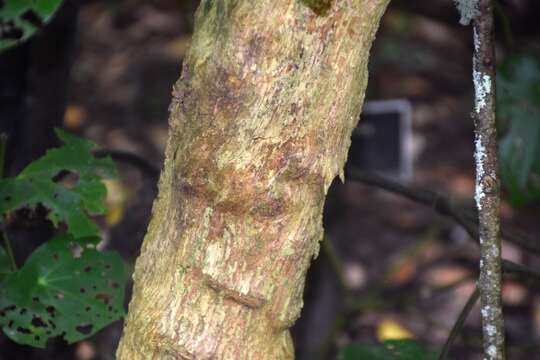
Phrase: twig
(487,183)
(143,165)
(458,325)
(133,159)
(442,204)
(510,267)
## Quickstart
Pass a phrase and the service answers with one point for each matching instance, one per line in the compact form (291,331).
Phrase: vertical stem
(3,234)
(487,194)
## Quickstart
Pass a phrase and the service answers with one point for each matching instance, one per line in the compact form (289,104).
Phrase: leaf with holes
(518,102)
(61,293)
(69,204)
(389,350)
(20,19)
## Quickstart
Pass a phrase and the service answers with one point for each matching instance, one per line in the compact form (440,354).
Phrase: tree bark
(260,124)
(487,194)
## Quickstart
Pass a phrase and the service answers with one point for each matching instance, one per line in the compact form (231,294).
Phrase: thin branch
(510,267)
(487,183)
(135,160)
(458,325)
(138,162)
(442,204)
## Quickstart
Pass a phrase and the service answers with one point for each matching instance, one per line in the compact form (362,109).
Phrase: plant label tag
(380,142)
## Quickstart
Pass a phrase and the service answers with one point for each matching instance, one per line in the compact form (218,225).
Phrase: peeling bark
(260,124)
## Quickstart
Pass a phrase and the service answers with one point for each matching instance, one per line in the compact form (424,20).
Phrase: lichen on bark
(487,193)
(260,124)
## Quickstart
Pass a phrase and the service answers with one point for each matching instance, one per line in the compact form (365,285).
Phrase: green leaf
(518,100)
(20,19)
(72,205)
(59,294)
(389,350)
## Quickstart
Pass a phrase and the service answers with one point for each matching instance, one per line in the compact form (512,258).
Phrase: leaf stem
(9,249)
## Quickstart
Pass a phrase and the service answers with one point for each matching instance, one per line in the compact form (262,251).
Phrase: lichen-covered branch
(487,194)
(260,124)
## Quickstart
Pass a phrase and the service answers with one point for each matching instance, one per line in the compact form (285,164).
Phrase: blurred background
(104,70)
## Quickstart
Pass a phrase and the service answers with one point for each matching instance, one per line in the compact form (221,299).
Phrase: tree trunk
(260,124)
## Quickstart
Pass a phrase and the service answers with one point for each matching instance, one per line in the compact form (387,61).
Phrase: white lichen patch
(480,156)
(485,311)
(491,330)
(468,10)
(494,251)
(482,88)
(476,40)
(492,351)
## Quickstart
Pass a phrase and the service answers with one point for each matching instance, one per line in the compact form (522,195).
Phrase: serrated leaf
(57,294)
(20,19)
(35,184)
(389,350)
(518,99)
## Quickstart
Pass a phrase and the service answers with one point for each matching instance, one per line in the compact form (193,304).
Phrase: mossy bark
(260,124)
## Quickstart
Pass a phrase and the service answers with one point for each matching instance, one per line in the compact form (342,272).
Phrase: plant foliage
(388,350)
(72,205)
(66,287)
(57,293)
(20,19)
(518,101)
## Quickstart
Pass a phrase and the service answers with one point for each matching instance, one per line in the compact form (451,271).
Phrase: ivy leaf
(35,184)
(389,350)
(59,294)
(20,19)
(518,100)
